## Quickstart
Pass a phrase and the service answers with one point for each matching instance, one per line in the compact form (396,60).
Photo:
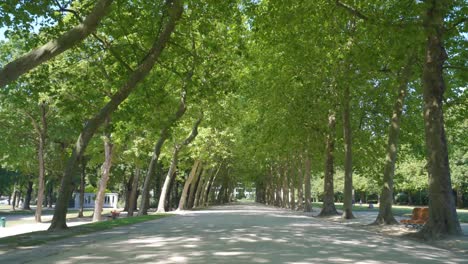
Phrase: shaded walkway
(234,234)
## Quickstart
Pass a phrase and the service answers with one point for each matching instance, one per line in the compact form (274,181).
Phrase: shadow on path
(240,233)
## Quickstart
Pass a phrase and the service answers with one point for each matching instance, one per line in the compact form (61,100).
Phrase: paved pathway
(234,234)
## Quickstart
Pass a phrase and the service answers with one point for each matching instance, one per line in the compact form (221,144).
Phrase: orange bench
(419,216)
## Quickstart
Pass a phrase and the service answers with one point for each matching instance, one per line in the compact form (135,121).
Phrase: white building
(110,200)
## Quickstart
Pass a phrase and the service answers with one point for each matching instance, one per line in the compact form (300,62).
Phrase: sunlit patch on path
(235,234)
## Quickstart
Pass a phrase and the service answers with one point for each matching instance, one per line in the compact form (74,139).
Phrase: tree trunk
(459,198)
(198,188)
(50,194)
(27,198)
(285,187)
(105,174)
(15,196)
(18,197)
(189,180)
(42,133)
(193,188)
(348,163)
(61,208)
(300,186)
(133,193)
(209,187)
(128,185)
(292,188)
(82,191)
(443,219)
(166,190)
(278,200)
(177,148)
(157,148)
(328,207)
(385,216)
(307,187)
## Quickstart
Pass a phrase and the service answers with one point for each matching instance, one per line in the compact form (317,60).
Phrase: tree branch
(13,70)
(352,10)
(194,132)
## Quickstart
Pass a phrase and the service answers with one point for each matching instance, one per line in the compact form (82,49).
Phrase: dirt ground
(242,233)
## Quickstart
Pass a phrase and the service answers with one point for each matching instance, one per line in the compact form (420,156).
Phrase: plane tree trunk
(307,184)
(134,193)
(105,173)
(443,219)
(165,132)
(348,163)
(328,207)
(385,216)
(165,189)
(188,182)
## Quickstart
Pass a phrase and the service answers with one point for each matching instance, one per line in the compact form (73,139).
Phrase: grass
(21,217)
(41,237)
(398,210)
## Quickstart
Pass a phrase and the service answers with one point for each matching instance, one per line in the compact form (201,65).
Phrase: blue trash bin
(3,222)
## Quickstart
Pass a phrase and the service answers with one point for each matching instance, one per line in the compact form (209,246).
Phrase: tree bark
(193,189)
(300,186)
(105,173)
(292,187)
(459,198)
(209,186)
(328,207)
(348,163)
(157,148)
(189,180)
(443,219)
(41,130)
(59,218)
(50,194)
(307,187)
(128,191)
(202,190)
(165,189)
(15,196)
(170,174)
(134,193)
(34,58)
(385,216)
(82,188)
(285,187)
(27,198)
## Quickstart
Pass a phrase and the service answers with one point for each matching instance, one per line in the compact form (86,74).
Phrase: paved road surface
(245,233)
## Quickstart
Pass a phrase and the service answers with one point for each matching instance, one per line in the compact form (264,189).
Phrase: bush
(401,198)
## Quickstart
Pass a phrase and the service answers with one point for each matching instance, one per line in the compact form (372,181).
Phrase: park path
(242,233)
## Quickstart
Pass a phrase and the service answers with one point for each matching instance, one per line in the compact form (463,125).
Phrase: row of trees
(191,99)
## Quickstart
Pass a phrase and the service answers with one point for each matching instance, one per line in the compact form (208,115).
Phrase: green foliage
(264,73)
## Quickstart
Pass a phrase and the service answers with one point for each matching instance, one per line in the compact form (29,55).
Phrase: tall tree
(105,172)
(385,215)
(164,134)
(348,162)
(174,159)
(175,12)
(443,219)
(328,207)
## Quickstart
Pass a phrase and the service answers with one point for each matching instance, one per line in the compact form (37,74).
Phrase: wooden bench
(419,216)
